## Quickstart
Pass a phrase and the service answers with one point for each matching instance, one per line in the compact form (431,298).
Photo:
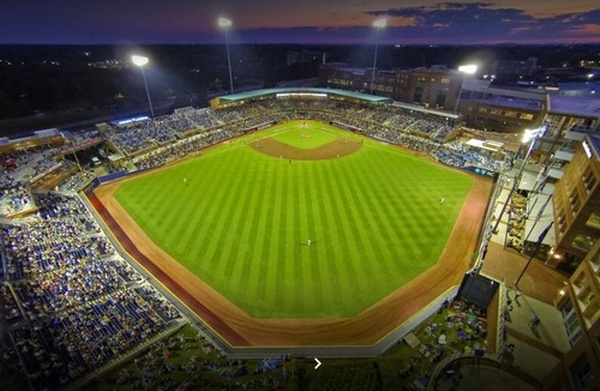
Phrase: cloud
(449,22)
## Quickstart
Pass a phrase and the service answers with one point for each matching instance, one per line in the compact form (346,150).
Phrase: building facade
(579,304)
(576,201)
(482,106)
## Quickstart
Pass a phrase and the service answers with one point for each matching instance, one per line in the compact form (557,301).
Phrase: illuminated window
(445,80)
(571,322)
(526,116)
(584,242)
(593,221)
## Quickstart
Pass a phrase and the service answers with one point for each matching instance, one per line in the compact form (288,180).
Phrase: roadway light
(467,69)
(378,24)
(225,24)
(141,62)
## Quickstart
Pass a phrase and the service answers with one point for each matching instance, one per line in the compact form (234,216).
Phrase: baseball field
(302,220)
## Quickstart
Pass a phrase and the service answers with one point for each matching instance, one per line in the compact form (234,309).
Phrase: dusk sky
(306,21)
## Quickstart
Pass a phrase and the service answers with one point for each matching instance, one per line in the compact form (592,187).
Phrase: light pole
(378,24)
(141,62)
(225,24)
(466,70)
(529,135)
(537,248)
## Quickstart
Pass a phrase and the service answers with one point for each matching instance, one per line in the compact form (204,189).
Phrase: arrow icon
(318,363)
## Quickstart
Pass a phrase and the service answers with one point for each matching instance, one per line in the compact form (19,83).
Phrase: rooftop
(574,106)
(270,91)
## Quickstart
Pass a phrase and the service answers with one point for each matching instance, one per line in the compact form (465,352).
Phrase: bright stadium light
(378,24)
(529,135)
(467,69)
(225,24)
(141,62)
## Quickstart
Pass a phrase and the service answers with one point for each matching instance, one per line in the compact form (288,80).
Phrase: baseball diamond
(278,237)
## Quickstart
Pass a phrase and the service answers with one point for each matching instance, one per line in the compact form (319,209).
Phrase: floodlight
(468,69)
(530,134)
(140,61)
(380,23)
(224,22)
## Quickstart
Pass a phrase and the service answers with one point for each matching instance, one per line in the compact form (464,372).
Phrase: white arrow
(318,363)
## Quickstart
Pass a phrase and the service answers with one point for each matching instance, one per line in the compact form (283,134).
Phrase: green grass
(242,222)
(304,138)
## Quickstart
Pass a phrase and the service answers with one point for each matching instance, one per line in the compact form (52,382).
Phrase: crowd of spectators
(412,129)
(82,304)
(14,200)
(187,361)
(139,136)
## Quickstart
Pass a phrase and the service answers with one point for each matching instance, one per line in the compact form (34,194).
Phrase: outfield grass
(242,223)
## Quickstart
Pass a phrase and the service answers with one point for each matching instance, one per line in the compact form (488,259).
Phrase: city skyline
(307,22)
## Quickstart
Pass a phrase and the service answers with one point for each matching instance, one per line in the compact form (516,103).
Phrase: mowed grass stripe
(282,224)
(360,231)
(329,264)
(243,235)
(348,235)
(243,249)
(371,213)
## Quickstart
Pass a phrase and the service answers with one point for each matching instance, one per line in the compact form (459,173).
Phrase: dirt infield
(239,329)
(337,148)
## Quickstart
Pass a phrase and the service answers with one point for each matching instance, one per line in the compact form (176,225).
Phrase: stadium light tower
(225,24)
(530,135)
(466,70)
(141,62)
(378,24)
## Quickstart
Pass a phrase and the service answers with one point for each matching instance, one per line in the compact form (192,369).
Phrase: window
(589,180)
(581,372)
(575,202)
(593,221)
(571,322)
(526,116)
(584,242)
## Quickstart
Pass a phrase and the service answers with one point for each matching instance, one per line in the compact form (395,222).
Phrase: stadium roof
(576,107)
(515,103)
(270,91)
